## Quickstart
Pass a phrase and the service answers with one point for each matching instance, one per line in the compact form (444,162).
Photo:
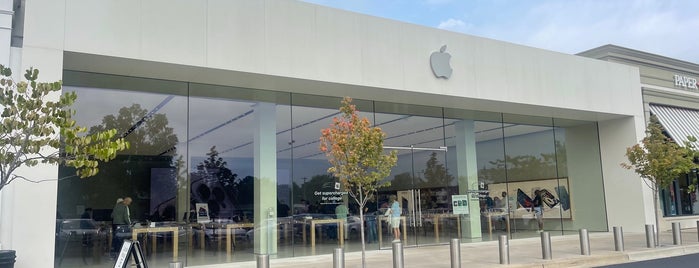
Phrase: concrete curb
(484,254)
(583,261)
(662,252)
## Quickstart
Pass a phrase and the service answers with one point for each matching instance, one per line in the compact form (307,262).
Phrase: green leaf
(28,115)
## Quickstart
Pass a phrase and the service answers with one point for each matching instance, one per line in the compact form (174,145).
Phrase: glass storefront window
(677,200)
(234,172)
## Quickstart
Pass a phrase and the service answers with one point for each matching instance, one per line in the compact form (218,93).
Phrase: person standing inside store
(121,217)
(395,212)
(88,226)
(538,205)
(341,212)
(370,218)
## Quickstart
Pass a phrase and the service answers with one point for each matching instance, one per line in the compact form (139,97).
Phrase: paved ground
(523,253)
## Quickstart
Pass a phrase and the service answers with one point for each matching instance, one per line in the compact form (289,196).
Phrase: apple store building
(223,104)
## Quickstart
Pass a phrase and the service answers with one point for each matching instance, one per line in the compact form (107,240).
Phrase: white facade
(297,47)
(664,81)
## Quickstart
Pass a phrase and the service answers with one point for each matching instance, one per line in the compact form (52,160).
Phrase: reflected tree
(246,191)
(216,183)
(149,134)
(403,181)
(153,146)
(215,166)
(436,174)
(519,168)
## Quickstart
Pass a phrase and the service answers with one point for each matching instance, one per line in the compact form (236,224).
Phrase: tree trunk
(361,216)
(361,226)
(657,218)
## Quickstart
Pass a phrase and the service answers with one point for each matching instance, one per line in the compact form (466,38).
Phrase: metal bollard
(339,258)
(650,237)
(618,238)
(697,230)
(676,234)
(504,249)
(455,247)
(262,261)
(545,245)
(177,264)
(584,242)
(398,255)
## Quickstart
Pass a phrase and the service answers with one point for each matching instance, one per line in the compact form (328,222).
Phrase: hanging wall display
(555,195)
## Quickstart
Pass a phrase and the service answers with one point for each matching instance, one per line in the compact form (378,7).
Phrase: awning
(678,122)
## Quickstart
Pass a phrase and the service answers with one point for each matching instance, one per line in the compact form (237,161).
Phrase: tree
(436,174)
(214,166)
(33,124)
(659,161)
(152,144)
(355,152)
(147,134)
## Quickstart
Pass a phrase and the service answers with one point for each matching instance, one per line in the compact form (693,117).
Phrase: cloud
(655,27)
(661,27)
(454,25)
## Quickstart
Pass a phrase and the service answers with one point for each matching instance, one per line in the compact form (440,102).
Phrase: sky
(665,27)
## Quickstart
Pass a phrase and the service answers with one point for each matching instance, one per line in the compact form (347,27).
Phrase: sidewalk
(523,253)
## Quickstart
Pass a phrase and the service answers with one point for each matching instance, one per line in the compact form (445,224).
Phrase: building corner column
(467,171)
(265,147)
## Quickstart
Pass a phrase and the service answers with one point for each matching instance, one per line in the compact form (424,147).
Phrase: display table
(153,230)
(230,236)
(287,223)
(200,228)
(496,214)
(402,224)
(340,230)
(436,219)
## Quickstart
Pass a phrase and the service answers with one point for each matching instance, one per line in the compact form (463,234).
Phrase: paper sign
(460,204)
(202,213)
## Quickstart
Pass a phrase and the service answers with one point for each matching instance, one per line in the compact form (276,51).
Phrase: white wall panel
(44,23)
(382,57)
(33,219)
(173,31)
(339,39)
(104,27)
(628,202)
(416,48)
(290,43)
(236,35)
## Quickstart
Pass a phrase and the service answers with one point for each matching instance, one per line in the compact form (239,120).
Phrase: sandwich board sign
(129,248)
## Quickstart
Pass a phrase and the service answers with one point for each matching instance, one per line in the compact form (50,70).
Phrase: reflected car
(217,230)
(354,225)
(85,230)
(77,227)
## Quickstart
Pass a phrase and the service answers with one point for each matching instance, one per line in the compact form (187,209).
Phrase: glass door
(422,186)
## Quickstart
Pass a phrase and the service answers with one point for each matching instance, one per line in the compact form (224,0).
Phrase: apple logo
(439,60)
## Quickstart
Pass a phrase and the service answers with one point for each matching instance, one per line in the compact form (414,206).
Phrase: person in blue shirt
(395,212)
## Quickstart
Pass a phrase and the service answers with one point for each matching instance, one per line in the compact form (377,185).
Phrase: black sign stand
(129,248)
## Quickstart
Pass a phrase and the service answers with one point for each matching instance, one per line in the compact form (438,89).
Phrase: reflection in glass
(152,173)
(192,147)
